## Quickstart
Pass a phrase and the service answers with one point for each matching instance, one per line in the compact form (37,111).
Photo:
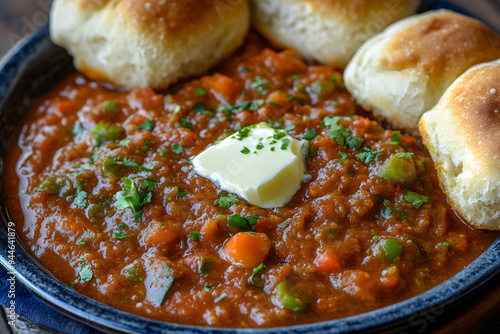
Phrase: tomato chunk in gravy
(109,202)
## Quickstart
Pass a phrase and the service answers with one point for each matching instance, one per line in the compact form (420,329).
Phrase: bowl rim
(41,283)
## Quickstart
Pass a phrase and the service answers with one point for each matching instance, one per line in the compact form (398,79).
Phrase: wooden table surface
(21,17)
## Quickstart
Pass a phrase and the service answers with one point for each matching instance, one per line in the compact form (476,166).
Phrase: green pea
(96,213)
(389,249)
(290,299)
(398,170)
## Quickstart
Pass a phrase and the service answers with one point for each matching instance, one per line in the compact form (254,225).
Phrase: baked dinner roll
(402,72)
(328,31)
(462,133)
(148,43)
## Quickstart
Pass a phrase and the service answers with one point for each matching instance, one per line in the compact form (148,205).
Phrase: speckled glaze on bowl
(31,69)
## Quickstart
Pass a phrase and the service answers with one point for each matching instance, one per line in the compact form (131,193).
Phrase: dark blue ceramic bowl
(31,69)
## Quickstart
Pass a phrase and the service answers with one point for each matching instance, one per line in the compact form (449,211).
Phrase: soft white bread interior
(462,133)
(154,43)
(328,31)
(402,72)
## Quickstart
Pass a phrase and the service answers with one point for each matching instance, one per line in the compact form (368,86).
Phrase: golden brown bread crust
(169,17)
(434,45)
(475,108)
(462,134)
(139,43)
(356,10)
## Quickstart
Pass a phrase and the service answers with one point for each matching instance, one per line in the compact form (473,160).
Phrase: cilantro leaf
(130,197)
(368,155)
(225,200)
(85,272)
(121,234)
(310,134)
(415,198)
(147,125)
(256,271)
(331,120)
(200,91)
(177,148)
(237,220)
(80,199)
(404,154)
(180,193)
(194,235)
(395,139)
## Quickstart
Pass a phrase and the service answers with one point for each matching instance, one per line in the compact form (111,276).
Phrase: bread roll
(462,133)
(328,31)
(148,43)
(402,72)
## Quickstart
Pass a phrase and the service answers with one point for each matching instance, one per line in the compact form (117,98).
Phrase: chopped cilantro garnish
(106,132)
(290,127)
(386,202)
(415,198)
(126,163)
(121,233)
(181,193)
(237,220)
(130,197)
(404,154)
(368,155)
(333,103)
(200,91)
(243,133)
(342,159)
(80,199)
(256,271)
(185,123)
(378,198)
(225,200)
(245,150)
(259,84)
(85,272)
(447,245)
(94,157)
(273,103)
(395,139)
(194,235)
(177,148)
(339,134)
(124,142)
(284,143)
(331,120)
(259,146)
(85,166)
(310,134)
(255,104)
(284,224)
(311,153)
(148,184)
(354,142)
(147,125)
(335,79)
(375,238)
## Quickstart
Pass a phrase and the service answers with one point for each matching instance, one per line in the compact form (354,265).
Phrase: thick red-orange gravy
(351,240)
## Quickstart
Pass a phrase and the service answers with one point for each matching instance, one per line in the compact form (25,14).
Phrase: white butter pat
(263,165)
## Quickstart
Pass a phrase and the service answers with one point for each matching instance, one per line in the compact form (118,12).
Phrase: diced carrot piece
(222,84)
(210,228)
(161,234)
(65,107)
(327,262)
(247,249)
(390,282)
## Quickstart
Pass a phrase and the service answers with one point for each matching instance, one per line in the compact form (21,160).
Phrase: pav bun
(328,31)
(148,43)
(402,72)
(462,134)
